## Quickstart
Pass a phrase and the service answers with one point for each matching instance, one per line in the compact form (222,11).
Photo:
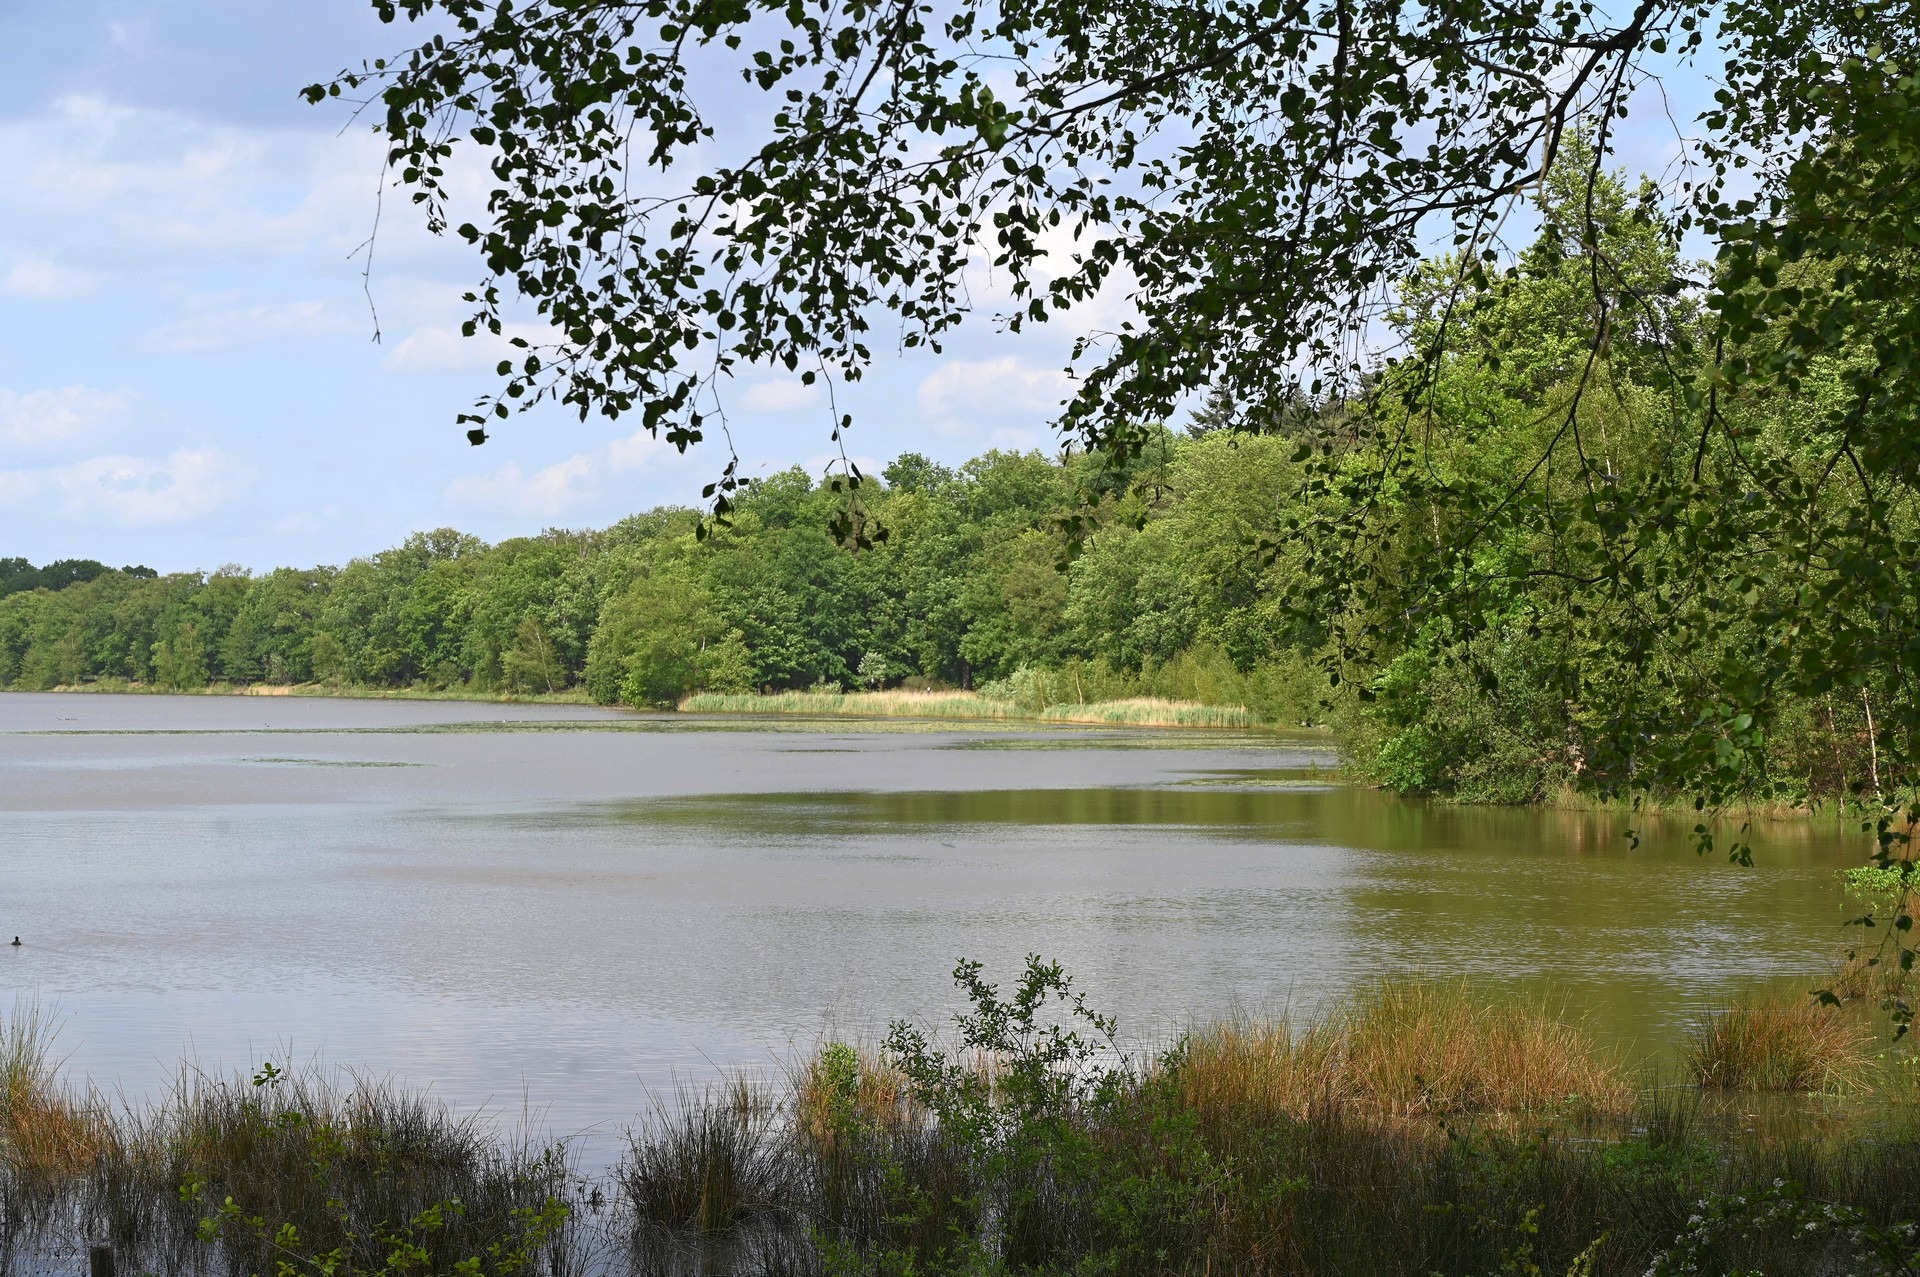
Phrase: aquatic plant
(707,1162)
(1779,1044)
(1414,1046)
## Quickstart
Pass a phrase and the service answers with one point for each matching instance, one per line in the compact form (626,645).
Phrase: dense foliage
(967,587)
(16,574)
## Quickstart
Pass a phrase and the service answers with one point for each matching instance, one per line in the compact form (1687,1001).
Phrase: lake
(562,910)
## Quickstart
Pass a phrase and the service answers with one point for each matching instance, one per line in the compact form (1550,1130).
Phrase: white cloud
(548,492)
(785,394)
(138,180)
(972,397)
(552,491)
(132,491)
(438,348)
(133,192)
(634,451)
(42,280)
(140,490)
(216,330)
(42,419)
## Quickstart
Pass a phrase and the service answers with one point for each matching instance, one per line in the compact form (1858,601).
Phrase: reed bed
(1420,1128)
(287,1171)
(1153,711)
(1404,1049)
(896,704)
(1142,711)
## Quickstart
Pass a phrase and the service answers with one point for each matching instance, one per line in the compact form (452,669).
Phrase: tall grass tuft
(46,1129)
(1779,1044)
(1403,1049)
(706,1163)
(1246,1071)
(1419,1047)
(350,1164)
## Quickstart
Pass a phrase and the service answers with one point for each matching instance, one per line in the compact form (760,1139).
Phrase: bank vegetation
(1417,1128)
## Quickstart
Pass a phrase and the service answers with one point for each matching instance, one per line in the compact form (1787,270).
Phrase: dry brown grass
(46,1129)
(1870,977)
(1780,1044)
(1415,1047)
(1405,1049)
(844,1088)
(1244,1070)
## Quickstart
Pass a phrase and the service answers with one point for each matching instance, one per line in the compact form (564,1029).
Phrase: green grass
(1133,712)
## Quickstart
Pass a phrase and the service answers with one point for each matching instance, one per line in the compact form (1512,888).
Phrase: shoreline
(322,690)
(1140,711)
(956,706)
(1436,1101)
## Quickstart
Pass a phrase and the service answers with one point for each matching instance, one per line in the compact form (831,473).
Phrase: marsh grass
(1417,1129)
(1781,1043)
(707,1162)
(1414,1047)
(1403,1049)
(47,1129)
(843,1088)
(1153,711)
(345,1157)
(892,704)
(1132,712)
(1872,980)
(232,1175)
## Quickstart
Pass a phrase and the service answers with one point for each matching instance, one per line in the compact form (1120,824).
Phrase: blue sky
(187,371)
(188,375)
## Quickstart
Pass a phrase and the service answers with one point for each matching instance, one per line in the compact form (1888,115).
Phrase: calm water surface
(563,908)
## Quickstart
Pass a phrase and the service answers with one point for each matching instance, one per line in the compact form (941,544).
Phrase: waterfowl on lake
(15,944)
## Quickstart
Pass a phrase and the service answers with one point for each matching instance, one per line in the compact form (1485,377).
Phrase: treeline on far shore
(1180,593)
(973,586)
(1460,631)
